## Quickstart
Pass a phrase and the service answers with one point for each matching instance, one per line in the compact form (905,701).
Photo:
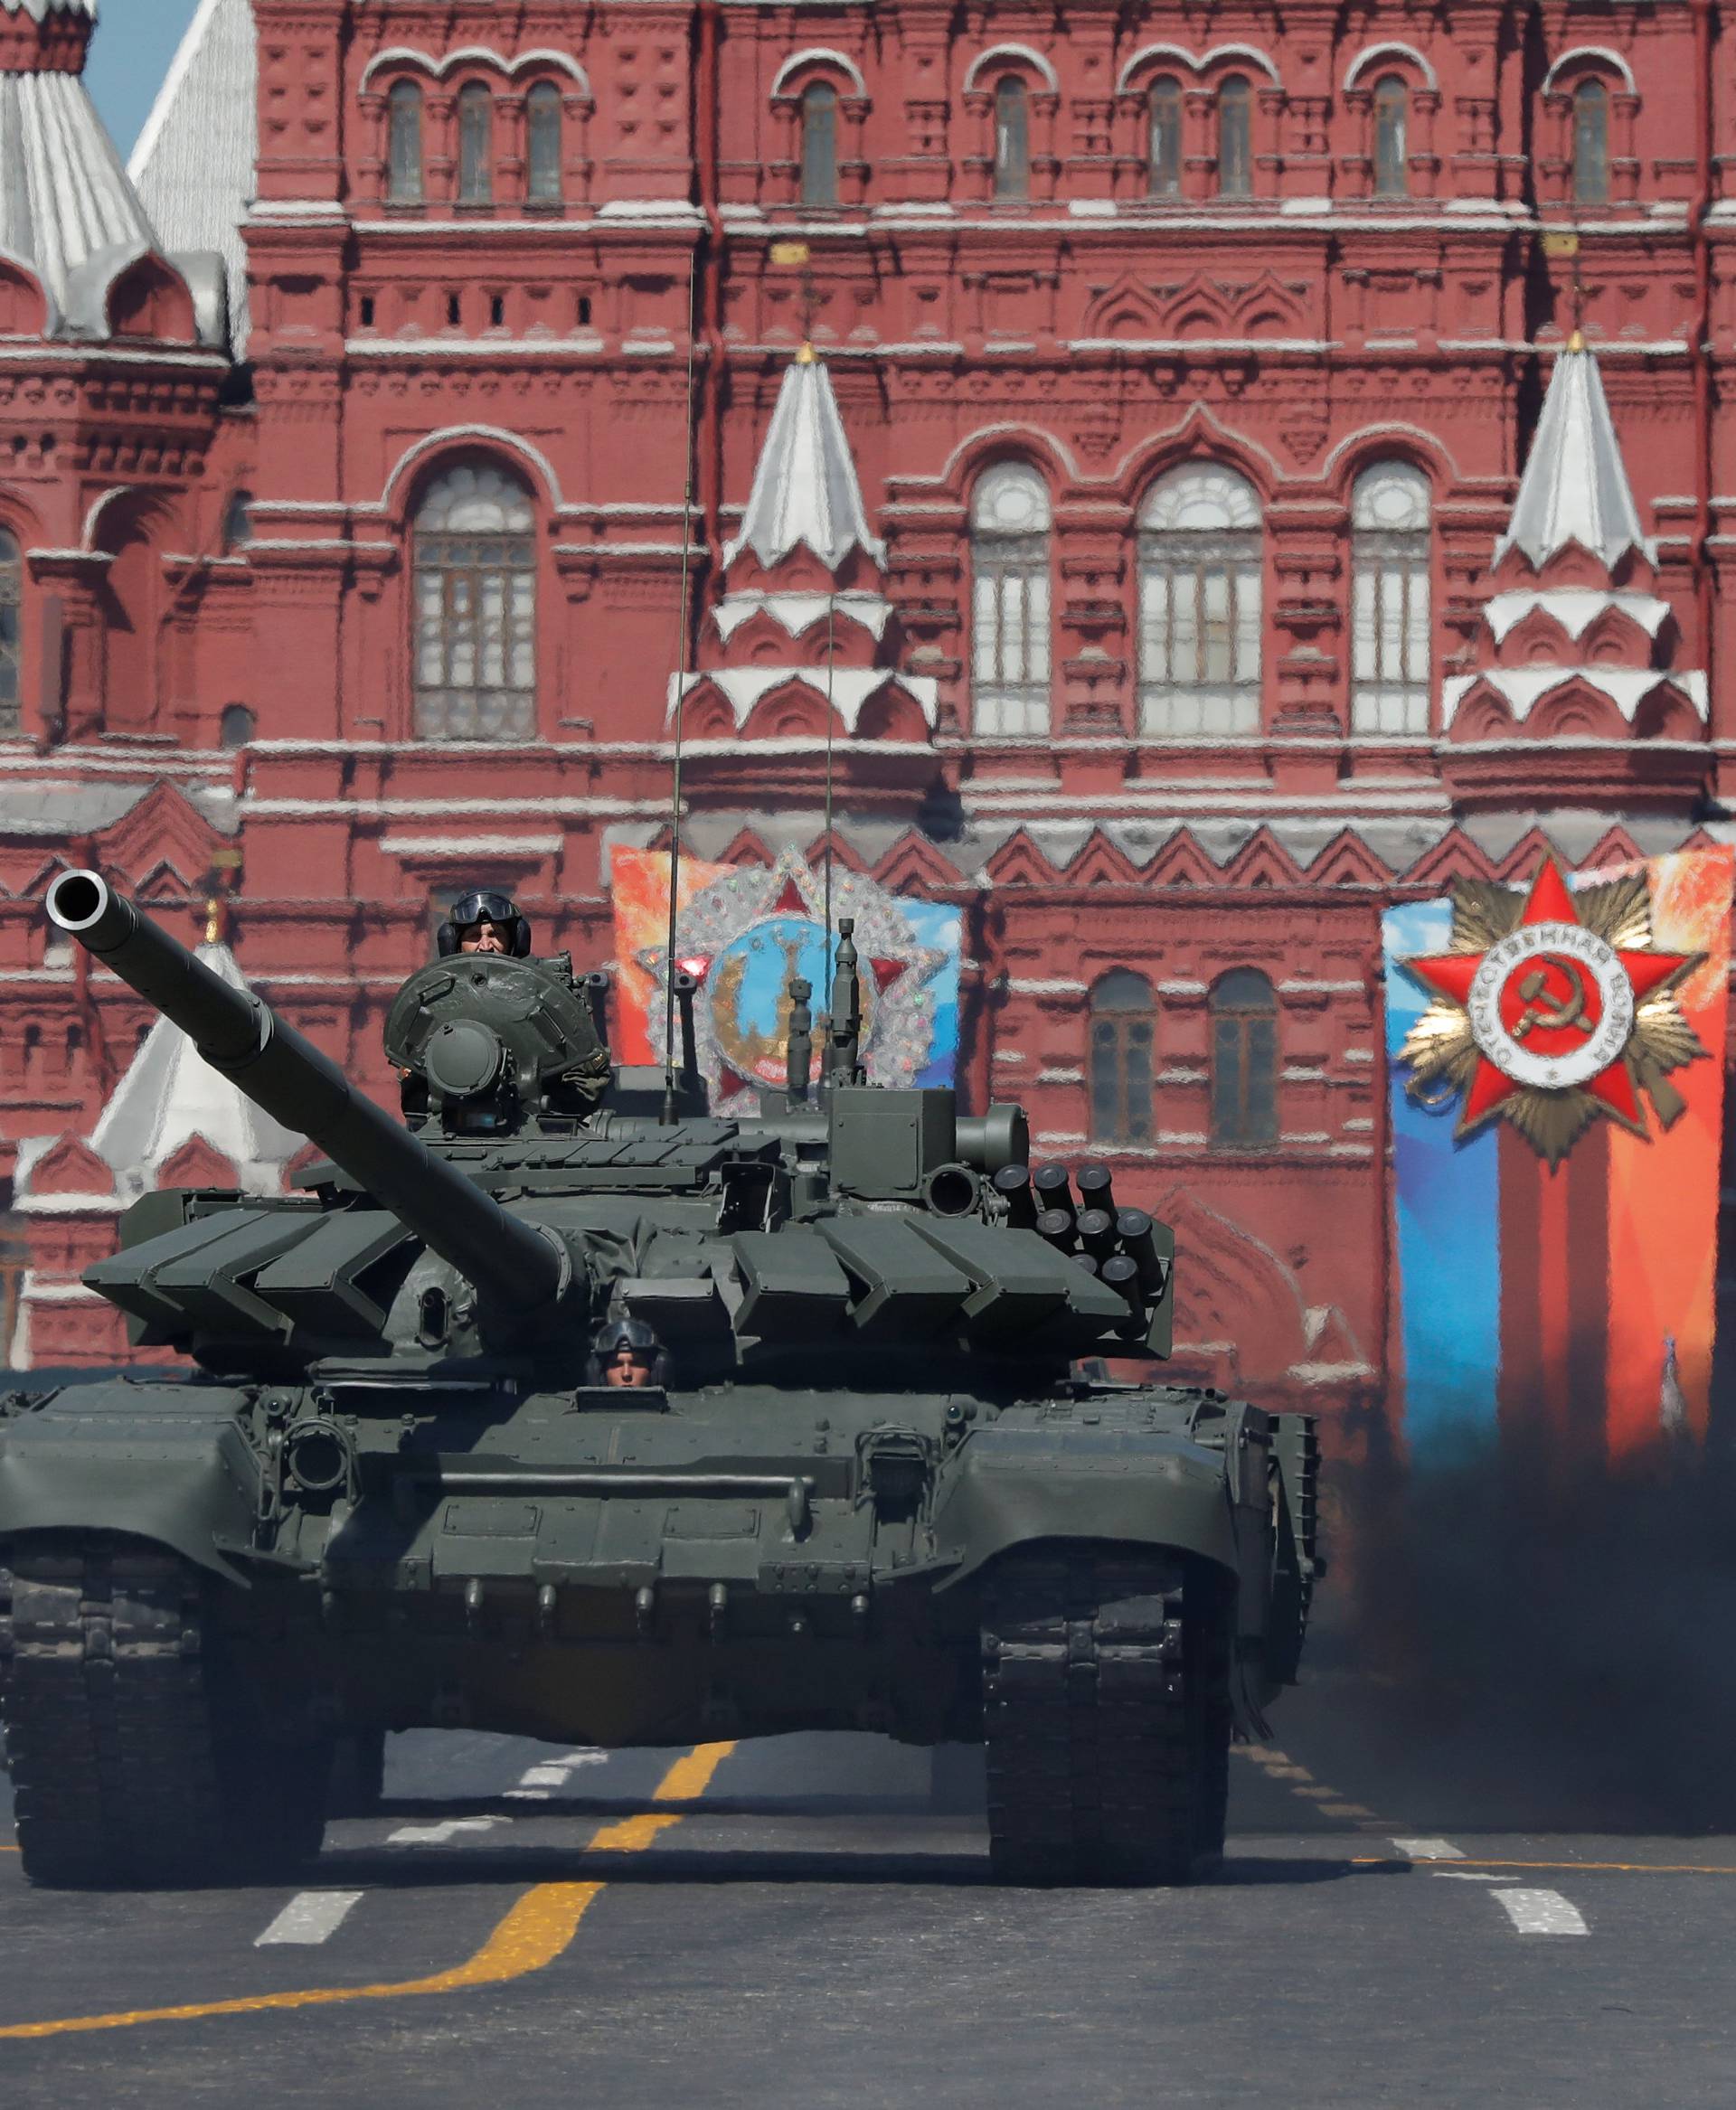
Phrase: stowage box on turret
(565,1409)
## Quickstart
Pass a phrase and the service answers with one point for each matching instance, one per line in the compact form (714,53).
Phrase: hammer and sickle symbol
(1543,1009)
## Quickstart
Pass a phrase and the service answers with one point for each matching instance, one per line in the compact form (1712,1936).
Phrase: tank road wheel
(137,1761)
(1106,1704)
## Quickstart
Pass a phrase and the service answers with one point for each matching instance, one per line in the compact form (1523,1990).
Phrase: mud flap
(161,1462)
(1295,1558)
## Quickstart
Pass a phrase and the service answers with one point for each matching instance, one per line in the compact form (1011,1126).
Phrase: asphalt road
(796,1923)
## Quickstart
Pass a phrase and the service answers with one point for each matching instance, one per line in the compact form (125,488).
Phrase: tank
(873,1473)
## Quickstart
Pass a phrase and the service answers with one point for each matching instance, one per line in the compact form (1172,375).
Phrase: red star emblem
(1549,1003)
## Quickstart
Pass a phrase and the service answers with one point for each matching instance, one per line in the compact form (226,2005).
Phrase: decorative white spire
(1575,487)
(804,489)
(68,210)
(194,160)
(65,203)
(170,1094)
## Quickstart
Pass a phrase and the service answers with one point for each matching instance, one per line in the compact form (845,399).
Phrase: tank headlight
(316,1458)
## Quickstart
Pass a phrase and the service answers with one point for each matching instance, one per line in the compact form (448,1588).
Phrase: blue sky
(130,55)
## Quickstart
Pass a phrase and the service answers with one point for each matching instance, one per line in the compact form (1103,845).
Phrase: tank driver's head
(485,921)
(627,1352)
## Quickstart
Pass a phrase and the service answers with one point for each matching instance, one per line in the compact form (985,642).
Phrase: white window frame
(1011,616)
(474,567)
(1392,564)
(1201,564)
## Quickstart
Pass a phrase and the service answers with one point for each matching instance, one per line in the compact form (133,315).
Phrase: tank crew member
(627,1352)
(485,920)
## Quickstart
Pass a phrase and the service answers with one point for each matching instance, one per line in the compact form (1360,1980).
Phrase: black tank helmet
(618,1333)
(485,905)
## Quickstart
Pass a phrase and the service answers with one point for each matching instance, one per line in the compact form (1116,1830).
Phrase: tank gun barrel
(512,1264)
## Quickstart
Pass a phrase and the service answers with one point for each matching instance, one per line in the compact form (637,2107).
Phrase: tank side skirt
(158,1464)
(1166,1496)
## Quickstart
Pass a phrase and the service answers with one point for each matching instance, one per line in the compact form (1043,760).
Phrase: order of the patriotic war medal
(1551,1010)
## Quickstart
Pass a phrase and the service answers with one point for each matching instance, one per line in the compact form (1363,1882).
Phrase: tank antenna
(670,1095)
(806,356)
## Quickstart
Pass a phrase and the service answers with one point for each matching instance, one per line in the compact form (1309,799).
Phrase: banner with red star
(1553,1013)
(1556,1111)
(745,931)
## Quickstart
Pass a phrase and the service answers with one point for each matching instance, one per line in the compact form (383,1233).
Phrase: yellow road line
(1620,1868)
(537,1929)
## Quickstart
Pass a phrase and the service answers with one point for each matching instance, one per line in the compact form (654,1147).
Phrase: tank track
(136,1762)
(1107,1717)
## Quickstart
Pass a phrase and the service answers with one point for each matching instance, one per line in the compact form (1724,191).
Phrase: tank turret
(490,1046)
(752,1236)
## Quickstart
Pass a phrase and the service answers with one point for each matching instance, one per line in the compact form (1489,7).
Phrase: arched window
(1392,142)
(1244,1060)
(237,726)
(134,596)
(819,144)
(1166,138)
(542,145)
(404,144)
(1200,562)
(238,520)
(1011,138)
(11,588)
(1009,554)
(476,144)
(1235,138)
(1389,566)
(1122,1030)
(1592,143)
(476,608)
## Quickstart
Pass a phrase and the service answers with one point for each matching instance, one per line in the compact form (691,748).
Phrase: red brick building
(1188,356)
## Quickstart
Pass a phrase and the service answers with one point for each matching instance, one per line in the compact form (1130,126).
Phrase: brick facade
(220,596)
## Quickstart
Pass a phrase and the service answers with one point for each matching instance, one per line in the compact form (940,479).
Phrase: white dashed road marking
(1539,1912)
(1469,1876)
(313,1918)
(437,1834)
(540,1783)
(1428,1849)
